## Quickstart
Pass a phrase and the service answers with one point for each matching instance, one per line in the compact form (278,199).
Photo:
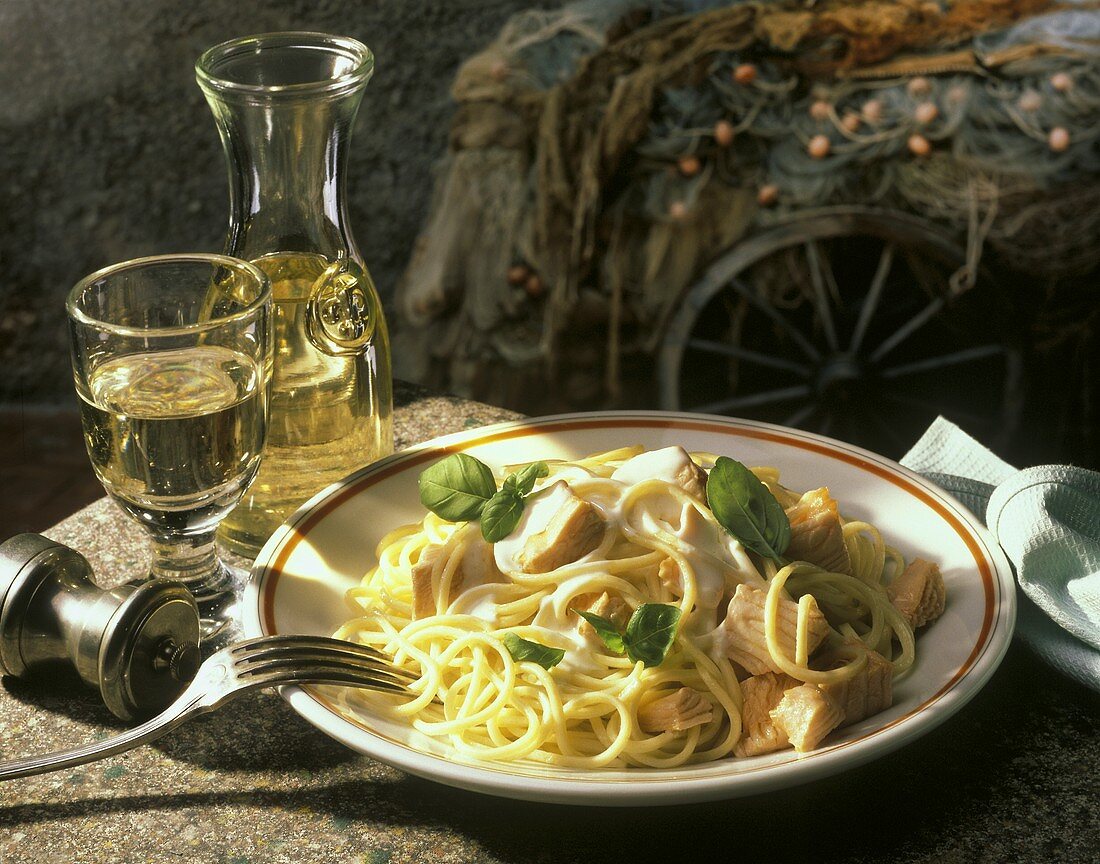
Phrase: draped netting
(602,155)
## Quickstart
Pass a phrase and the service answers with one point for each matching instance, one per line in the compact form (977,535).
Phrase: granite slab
(1015,776)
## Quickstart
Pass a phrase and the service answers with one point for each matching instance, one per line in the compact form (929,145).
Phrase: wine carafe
(284,104)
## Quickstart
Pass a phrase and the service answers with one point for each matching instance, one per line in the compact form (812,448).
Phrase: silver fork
(265,662)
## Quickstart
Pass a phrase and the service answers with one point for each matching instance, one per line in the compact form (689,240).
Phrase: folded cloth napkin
(1047,520)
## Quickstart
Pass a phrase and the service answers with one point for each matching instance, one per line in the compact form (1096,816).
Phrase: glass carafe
(284,104)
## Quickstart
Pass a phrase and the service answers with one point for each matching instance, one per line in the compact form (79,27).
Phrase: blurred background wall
(108,150)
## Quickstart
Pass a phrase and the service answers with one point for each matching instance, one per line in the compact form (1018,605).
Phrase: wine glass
(172,358)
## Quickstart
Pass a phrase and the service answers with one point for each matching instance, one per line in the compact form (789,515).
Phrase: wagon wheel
(846,322)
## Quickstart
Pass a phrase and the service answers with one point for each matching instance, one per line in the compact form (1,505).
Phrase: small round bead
(767,195)
(819,147)
(677,210)
(851,122)
(745,73)
(723,133)
(956,94)
(926,112)
(820,109)
(533,286)
(919,86)
(1058,139)
(1061,81)
(1030,100)
(689,165)
(517,274)
(919,145)
(872,110)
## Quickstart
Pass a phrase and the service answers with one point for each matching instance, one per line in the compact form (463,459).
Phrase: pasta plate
(300,578)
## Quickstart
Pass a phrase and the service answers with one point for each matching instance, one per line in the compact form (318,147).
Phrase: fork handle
(150,730)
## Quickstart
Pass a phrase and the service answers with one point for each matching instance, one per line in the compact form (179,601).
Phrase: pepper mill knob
(138,643)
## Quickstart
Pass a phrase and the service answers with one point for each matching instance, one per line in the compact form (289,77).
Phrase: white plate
(300,577)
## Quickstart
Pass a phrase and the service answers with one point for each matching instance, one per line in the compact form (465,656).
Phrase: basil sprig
(606,630)
(457,488)
(461,488)
(651,632)
(744,507)
(525,649)
(648,636)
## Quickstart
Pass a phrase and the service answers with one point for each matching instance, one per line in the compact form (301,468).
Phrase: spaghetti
(804,625)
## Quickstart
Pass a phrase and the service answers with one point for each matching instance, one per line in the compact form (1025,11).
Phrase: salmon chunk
(743,626)
(676,712)
(761,694)
(611,607)
(918,593)
(806,715)
(668,572)
(476,567)
(693,480)
(574,531)
(867,693)
(816,533)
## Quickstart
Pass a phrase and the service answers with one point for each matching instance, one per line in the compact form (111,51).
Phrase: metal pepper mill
(138,643)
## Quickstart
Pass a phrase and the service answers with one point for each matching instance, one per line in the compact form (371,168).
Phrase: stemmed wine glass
(172,358)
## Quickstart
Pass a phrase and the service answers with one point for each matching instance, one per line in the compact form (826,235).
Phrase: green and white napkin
(1047,520)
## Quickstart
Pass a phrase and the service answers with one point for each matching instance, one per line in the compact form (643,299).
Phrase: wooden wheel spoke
(967,355)
(908,329)
(802,414)
(711,347)
(753,400)
(874,294)
(821,299)
(796,337)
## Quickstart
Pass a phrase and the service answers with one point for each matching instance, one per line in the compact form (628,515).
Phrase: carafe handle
(340,313)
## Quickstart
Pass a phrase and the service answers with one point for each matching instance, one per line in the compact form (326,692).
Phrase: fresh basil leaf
(650,632)
(457,488)
(500,515)
(524,649)
(744,507)
(527,475)
(605,628)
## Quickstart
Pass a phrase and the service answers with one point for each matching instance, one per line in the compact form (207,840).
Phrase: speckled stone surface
(1015,776)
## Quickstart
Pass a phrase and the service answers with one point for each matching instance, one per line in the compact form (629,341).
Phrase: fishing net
(602,155)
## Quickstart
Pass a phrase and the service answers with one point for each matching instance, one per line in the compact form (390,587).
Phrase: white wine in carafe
(329,413)
(285,106)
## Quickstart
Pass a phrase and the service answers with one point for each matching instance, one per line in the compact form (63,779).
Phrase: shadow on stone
(257,732)
(59,690)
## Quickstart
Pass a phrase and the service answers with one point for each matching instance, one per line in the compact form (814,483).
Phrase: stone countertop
(1012,777)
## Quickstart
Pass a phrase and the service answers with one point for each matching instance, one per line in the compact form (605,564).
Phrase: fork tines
(276,660)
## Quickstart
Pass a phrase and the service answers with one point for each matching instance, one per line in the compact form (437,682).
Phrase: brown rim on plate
(307,518)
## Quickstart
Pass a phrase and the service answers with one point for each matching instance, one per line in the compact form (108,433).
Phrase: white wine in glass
(175,436)
(172,359)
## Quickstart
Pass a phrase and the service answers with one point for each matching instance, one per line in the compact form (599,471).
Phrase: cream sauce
(670,464)
(718,560)
(555,617)
(480,601)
